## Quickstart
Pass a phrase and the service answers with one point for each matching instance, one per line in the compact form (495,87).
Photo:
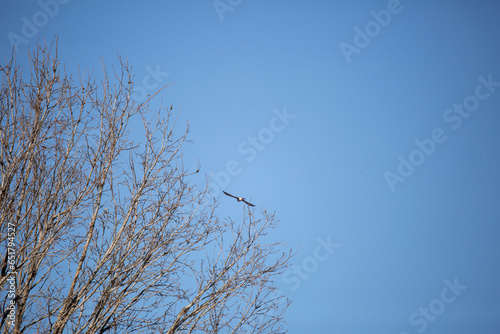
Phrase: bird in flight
(239,199)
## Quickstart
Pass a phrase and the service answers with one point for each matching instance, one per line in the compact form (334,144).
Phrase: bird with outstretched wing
(239,199)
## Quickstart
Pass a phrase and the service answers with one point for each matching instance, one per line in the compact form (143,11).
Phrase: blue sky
(328,126)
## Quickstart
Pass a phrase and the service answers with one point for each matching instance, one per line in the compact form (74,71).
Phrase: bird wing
(248,203)
(229,194)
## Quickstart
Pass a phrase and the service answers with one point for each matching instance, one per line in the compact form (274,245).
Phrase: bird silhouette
(239,199)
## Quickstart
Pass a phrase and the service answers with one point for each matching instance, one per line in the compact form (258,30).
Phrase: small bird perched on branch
(239,199)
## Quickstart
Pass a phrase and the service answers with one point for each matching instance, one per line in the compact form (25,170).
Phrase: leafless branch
(110,235)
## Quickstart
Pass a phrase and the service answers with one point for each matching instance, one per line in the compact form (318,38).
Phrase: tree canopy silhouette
(103,231)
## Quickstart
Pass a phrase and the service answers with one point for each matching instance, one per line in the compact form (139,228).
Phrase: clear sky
(371,127)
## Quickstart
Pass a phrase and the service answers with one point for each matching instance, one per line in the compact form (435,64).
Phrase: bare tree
(102,233)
